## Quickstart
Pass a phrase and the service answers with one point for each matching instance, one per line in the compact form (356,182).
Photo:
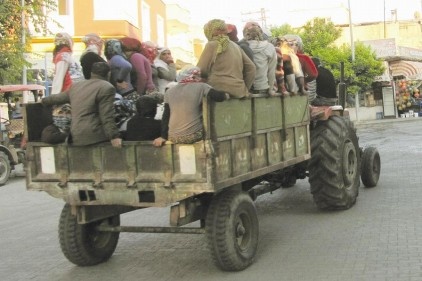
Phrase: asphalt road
(380,238)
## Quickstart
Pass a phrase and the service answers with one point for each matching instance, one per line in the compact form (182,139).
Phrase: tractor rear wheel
(334,168)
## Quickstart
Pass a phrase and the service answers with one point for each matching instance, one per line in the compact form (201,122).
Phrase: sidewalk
(385,120)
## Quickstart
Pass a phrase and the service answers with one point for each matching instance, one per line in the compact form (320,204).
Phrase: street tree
(284,29)
(16,22)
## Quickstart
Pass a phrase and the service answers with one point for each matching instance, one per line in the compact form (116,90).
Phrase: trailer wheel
(5,168)
(232,230)
(82,244)
(334,168)
(371,166)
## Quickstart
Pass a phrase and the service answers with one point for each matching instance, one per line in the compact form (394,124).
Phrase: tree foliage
(283,30)
(12,47)
(319,36)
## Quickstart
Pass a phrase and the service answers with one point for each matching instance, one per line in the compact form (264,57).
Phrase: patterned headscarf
(93,43)
(113,47)
(92,38)
(150,51)
(189,74)
(252,31)
(216,30)
(295,41)
(63,38)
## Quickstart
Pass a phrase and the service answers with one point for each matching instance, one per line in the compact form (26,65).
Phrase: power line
(261,16)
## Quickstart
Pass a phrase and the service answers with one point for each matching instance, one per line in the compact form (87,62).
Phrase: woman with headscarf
(66,72)
(142,74)
(119,68)
(182,117)
(150,51)
(66,69)
(92,53)
(223,63)
(264,57)
(166,69)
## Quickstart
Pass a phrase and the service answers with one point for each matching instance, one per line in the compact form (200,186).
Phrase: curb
(387,120)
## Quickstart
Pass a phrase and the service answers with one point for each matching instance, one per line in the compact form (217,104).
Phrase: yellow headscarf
(216,30)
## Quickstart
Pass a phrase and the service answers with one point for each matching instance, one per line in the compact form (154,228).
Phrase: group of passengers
(115,98)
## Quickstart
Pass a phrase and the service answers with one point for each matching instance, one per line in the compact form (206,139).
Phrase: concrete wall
(364,113)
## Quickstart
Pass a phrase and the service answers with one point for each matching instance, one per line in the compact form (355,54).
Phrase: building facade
(142,19)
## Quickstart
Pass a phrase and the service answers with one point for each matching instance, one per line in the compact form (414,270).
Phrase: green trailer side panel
(296,110)
(301,140)
(275,148)
(260,153)
(268,113)
(223,160)
(289,144)
(241,156)
(232,117)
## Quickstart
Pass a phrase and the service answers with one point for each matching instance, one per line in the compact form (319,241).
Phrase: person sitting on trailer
(326,89)
(182,116)
(92,108)
(143,126)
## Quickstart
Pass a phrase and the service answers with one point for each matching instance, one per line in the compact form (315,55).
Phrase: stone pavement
(380,238)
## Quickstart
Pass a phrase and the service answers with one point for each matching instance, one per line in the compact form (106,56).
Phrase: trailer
(251,147)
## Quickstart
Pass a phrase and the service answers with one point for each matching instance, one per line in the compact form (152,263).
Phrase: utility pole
(385,29)
(262,17)
(24,79)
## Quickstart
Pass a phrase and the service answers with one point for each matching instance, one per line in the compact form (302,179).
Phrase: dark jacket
(141,128)
(326,84)
(92,110)
(87,60)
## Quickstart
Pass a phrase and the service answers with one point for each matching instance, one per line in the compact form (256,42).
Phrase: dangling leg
(301,84)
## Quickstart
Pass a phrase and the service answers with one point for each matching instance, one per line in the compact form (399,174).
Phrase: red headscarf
(131,44)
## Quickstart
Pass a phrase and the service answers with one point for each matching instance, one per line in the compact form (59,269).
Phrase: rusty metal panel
(84,162)
(43,163)
(289,144)
(260,152)
(189,163)
(275,147)
(301,140)
(223,160)
(153,164)
(296,110)
(241,156)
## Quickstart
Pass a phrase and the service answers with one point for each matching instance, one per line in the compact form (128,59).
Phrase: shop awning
(408,69)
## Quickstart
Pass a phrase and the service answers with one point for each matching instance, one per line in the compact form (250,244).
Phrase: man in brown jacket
(92,108)
(223,64)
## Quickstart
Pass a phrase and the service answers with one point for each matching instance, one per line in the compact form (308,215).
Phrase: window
(146,22)
(160,31)
(126,10)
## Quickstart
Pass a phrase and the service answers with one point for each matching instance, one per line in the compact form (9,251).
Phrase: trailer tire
(82,244)
(334,168)
(5,168)
(232,230)
(371,166)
